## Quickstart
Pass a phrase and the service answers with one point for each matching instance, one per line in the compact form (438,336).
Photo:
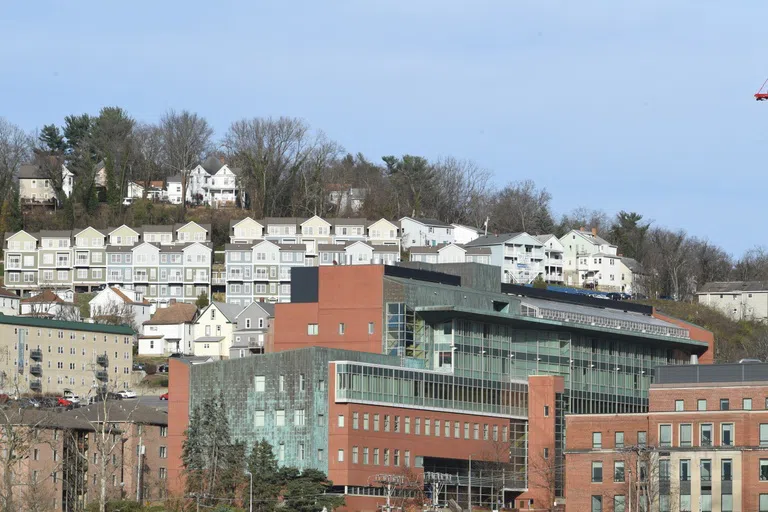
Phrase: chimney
(594,231)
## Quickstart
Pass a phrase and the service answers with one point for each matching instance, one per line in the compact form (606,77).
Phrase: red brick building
(703,446)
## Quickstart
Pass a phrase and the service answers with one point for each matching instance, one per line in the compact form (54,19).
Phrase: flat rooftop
(747,373)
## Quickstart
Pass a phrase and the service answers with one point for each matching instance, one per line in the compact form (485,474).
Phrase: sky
(638,106)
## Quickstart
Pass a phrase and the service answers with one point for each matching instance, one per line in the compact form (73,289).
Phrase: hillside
(733,340)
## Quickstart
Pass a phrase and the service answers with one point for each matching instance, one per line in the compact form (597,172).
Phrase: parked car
(48,401)
(71,396)
(164,396)
(163,368)
(126,393)
(63,402)
(28,402)
(128,201)
(615,296)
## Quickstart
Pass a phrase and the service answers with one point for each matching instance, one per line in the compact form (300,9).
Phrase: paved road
(153,401)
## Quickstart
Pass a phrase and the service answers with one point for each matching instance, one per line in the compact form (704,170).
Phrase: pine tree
(267,480)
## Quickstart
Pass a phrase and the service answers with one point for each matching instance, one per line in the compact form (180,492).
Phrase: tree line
(287,169)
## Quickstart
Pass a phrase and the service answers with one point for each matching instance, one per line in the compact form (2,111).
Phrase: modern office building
(381,365)
(702,446)
(38,355)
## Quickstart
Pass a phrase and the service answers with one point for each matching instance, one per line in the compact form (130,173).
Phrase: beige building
(39,355)
(739,300)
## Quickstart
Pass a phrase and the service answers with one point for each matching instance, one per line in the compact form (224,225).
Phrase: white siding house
(420,231)
(464,234)
(519,255)
(114,301)
(214,330)
(170,330)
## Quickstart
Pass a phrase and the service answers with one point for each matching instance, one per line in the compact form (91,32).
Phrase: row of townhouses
(176,262)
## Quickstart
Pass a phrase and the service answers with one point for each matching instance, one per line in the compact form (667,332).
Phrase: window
(664,470)
(366,418)
(724,404)
(341,328)
(685,470)
(485,432)
(706,434)
(355,420)
(281,383)
(370,327)
(546,453)
(726,503)
(679,405)
(665,435)
(365,455)
(427,427)
(686,435)
(340,455)
(375,422)
(597,440)
(763,470)
(312,329)
(706,470)
(685,503)
(726,434)
(746,404)
(397,423)
(386,456)
(259,383)
(417,427)
(397,457)
(642,438)
(764,503)
(476,431)
(259,419)
(726,469)
(764,434)
(597,472)
(597,504)
(354,455)
(619,501)
(456,429)
(546,411)
(341,421)
(386,423)
(466,430)
(302,382)
(407,424)
(618,471)
(619,439)
(163,431)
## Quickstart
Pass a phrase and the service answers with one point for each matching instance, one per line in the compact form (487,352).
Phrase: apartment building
(520,256)
(261,272)
(159,262)
(422,231)
(451,253)
(553,258)
(48,356)
(702,446)
(593,262)
(739,300)
(374,368)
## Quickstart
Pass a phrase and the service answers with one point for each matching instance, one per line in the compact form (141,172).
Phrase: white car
(126,393)
(72,397)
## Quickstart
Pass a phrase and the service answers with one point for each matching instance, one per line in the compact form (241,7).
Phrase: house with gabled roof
(36,187)
(120,305)
(425,231)
(254,328)
(520,256)
(591,261)
(214,329)
(170,330)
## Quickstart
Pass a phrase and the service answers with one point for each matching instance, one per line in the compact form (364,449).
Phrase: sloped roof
(126,299)
(230,311)
(734,286)
(429,222)
(493,239)
(64,324)
(348,221)
(118,411)
(179,313)
(4,292)
(212,164)
(30,171)
(157,228)
(60,233)
(292,247)
(46,296)
(479,250)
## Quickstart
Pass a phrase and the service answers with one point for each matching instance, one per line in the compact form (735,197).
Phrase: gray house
(253,329)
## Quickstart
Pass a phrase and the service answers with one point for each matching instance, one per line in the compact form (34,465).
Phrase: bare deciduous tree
(15,149)
(521,206)
(186,138)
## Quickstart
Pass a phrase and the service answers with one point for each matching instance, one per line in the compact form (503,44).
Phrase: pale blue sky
(643,106)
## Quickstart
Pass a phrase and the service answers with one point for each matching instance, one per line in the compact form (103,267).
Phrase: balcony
(218,279)
(36,370)
(201,278)
(102,360)
(36,354)
(102,375)
(36,385)
(140,278)
(62,262)
(234,276)
(175,278)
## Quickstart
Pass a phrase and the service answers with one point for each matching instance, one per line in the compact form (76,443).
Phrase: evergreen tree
(52,139)
(267,480)
(539,283)
(308,493)
(202,301)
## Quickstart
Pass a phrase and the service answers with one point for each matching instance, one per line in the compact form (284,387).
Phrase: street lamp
(250,491)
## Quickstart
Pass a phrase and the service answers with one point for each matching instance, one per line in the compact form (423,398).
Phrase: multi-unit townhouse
(21,260)
(90,260)
(520,256)
(421,231)
(261,272)
(451,253)
(553,258)
(384,232)
(358,253)
(591,261)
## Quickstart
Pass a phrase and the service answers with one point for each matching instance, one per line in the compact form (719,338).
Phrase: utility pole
(469,487)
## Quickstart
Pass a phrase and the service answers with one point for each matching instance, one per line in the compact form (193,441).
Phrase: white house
(214,330)
(9,302)
(451,253)
(211,182)
(553,258)
(173,189)
(155,190)
(223,187)
(346,199)
(253,328)
(120,302)
(420,231)
(464,234)
(593,262)
(519,255)
(170,330)
(35,186)
(48,304)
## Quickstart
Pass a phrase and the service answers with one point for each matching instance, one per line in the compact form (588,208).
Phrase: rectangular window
(370,327)
(685,503)
(341,421)
(597,440)
(485,432)
(281,383)
(764,434)
(340,455)
(456,429)
(375,456)
(259,383)
(355,420)
(619,439)
(417,426)
(341,328)
(354,455)
(476,431)
(764,503)
(597,472)
(397,423)
(259,419)
(299,419)
(726,503)
(427,427)
(546,411)
(597,504)
(726,469)
(386,423)
(685,470)
(686,435)
(665,435)
(679,405)
(280,417)
(397,457)
(726,434)
(763,470)
(407,424)
(724,404)
(664,470)
(618,471)
(705,431)
(466,430)
(386,456)
(312,329)
(619,501)
(375,422)
(746,404)
(642,438)
(705,467)
(366,418)
(365,455)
